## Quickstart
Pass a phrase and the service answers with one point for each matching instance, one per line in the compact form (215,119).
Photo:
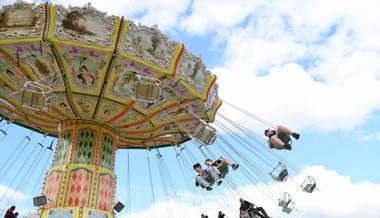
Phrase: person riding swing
(280,138)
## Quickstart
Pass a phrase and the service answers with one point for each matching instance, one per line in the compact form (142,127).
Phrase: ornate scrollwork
(149,44)
(192,70)
(21,20)
(84,24)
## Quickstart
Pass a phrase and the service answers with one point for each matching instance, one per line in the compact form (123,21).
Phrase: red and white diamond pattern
(78,190)
(105,192)
(52,188)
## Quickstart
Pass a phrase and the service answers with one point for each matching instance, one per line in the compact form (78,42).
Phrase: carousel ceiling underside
(92,60)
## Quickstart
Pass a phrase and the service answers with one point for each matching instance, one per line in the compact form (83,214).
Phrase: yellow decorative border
(51,37)
(176,52)
(45,212)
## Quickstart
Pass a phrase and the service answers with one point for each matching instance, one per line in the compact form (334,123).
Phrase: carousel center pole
(81,182)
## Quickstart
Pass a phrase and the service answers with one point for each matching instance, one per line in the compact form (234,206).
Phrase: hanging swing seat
(309,185)
(147,90)
(289,208)
(286,203)
(279,173)
(283,203)
(205,134)
(210,180)
(37,96)
(222,167)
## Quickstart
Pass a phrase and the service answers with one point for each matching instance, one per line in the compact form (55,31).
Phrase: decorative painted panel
(96,214)
(63,148)
(53,182)
(85,146)
(192,70)
(106,153)
(61,213)
(21,20)
(149,44)
(78,189)
(84,24)
(105,192)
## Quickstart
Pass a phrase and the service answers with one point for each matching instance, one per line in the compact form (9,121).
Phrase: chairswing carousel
(99,83)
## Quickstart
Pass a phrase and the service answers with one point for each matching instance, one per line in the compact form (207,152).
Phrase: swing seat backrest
(282,176)
(309,188)
(209,179)
(36,96)
(146,91)
(223,169)
(205,134)
(282,203)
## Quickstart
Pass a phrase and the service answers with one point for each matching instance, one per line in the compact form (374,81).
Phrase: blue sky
(314,68)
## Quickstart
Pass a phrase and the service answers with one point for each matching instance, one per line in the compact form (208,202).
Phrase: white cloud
(210,15)
(289,95)
(338,198)
(333,40)
(10,193)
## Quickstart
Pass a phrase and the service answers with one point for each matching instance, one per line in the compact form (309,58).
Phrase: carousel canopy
(60,63)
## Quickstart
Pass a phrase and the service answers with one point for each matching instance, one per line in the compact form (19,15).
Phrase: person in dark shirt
(221,215)
(248,210)
(9,213)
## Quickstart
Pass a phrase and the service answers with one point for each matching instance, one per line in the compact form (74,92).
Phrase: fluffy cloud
(8,192)
(332,41)
(290,95)
(209,15)
(338,198)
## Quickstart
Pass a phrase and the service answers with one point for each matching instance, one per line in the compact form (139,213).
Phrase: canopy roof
(91,61)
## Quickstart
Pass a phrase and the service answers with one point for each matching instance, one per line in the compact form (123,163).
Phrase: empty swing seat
(288,209)
(37,96)
(309,188)
(286,203)
(147,91)
(283,203)
(309,185)
(279,173)
(205,134)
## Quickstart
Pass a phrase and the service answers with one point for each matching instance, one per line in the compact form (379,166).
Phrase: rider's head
(241,200)
(208,162)
(197,167)
(266,132)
